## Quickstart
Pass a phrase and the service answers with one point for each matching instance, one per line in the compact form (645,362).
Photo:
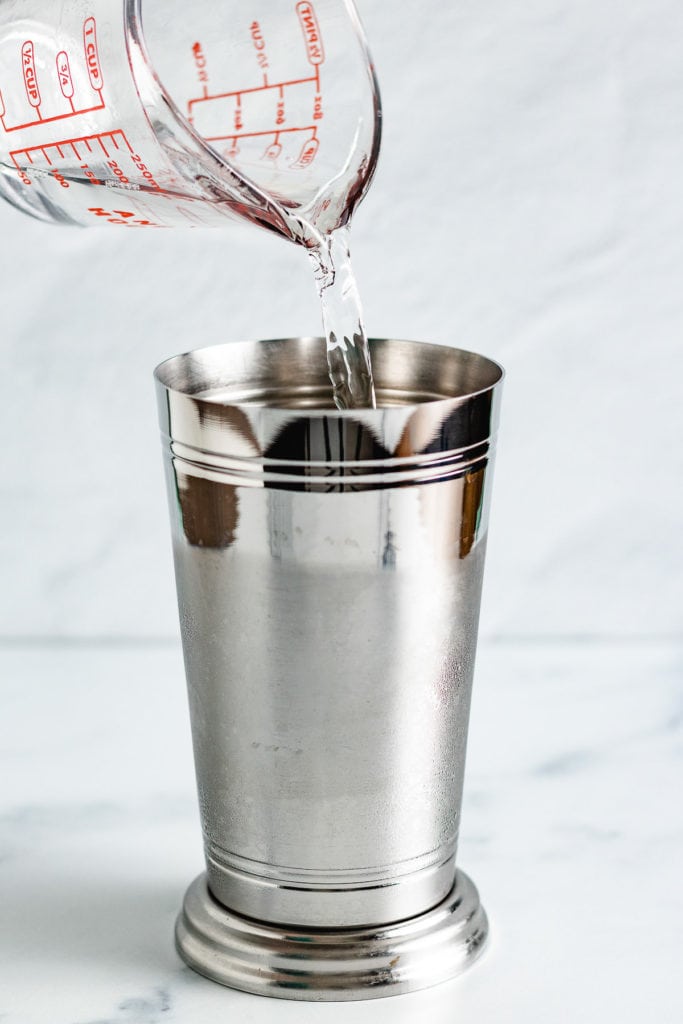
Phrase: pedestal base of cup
(331,964)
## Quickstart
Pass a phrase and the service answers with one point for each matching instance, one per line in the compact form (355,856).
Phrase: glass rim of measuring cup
(134,20)
(234,409)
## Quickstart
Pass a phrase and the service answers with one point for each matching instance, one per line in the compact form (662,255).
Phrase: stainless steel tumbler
(329,567)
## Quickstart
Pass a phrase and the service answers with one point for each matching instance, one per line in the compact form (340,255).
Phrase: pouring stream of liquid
(348,355)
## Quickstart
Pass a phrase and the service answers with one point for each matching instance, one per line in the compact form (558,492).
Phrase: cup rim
(167,375)
(308,446)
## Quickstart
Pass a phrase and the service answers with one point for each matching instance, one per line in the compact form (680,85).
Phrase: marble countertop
(572,830)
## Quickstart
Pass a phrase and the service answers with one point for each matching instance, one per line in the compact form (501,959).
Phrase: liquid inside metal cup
(329,567)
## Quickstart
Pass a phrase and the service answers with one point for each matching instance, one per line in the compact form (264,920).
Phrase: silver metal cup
(329,568)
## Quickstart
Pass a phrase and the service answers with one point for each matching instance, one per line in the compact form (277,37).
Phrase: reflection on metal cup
(329,567)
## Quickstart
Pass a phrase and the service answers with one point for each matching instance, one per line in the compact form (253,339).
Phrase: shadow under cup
(329,567)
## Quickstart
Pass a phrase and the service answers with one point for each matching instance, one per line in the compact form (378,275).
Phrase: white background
(527,205)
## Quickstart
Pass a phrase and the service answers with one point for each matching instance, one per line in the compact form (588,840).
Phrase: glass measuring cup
(149,113)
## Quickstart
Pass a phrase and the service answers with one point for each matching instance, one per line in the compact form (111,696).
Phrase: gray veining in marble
(140,1010)
(572,828)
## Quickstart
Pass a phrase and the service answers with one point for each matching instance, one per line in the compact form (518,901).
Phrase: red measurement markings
(308,153)
(92,54)
(200,63)
(233,132)
(126,217)
(238,94)
(144,170)
(311,30)
(315,51)
(66,82)
(28,66)
(98,141)
(64,78)
(255,135)
(306,157)
(118,171)
(48,120)
(90,175)
(245,92)
(85,148)
(280,112)
(260,47)
(273,151)
(60,178)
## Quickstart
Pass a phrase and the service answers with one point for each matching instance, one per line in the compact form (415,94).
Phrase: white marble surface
(533,156)
(572,829)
